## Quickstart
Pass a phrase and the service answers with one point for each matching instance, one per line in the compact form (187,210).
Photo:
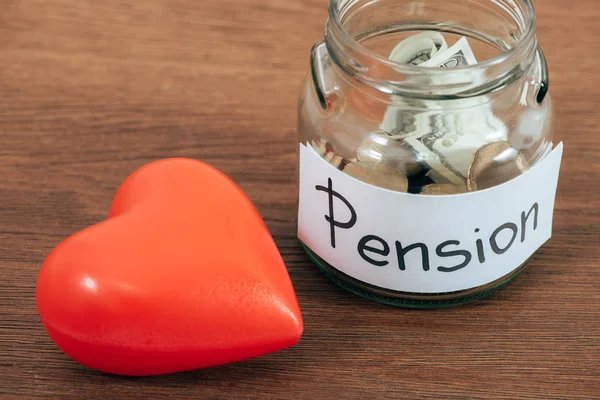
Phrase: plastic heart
(184,274)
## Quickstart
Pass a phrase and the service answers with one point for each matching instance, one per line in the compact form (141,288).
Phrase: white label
(424,244)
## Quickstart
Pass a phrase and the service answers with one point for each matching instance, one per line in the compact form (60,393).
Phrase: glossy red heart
(184,274)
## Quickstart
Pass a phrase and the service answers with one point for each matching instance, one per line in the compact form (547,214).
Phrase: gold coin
(494,164)
(443,189)
(322,147)
(382,148)
(413,168)
(378,174)
(334,159)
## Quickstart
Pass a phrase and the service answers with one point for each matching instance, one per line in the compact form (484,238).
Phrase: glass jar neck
(506,24)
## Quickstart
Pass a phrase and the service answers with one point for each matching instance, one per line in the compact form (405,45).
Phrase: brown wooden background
(91,90)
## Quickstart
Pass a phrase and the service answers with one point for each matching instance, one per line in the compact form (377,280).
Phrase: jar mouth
(391,77)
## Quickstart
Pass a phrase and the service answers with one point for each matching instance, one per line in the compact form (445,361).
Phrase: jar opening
(360,33)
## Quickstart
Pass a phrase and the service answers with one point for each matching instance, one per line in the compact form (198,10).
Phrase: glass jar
(424,111)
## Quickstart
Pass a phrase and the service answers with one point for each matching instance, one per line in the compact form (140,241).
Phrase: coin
(494,164)
(334,159)
(380,147)
(322,147)
(378,174)
(443,189)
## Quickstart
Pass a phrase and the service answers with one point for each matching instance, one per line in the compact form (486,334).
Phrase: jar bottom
(407,299)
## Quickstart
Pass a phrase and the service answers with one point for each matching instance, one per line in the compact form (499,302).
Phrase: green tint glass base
(406,299)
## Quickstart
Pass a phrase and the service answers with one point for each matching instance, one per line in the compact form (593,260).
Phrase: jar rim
(339,40)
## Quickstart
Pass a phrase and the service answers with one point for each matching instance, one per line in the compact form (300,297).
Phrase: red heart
(182,275)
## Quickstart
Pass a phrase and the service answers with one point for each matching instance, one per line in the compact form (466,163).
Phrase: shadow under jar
(445,98)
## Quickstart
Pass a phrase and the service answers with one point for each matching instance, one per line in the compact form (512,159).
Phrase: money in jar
(428,166)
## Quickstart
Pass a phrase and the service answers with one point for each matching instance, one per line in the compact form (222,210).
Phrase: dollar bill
(403,119)
(459,55)
(446,140)
(419,48)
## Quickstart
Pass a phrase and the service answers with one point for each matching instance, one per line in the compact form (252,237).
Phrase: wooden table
(92,90)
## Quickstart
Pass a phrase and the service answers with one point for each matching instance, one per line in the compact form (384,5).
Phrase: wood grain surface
(91,90)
